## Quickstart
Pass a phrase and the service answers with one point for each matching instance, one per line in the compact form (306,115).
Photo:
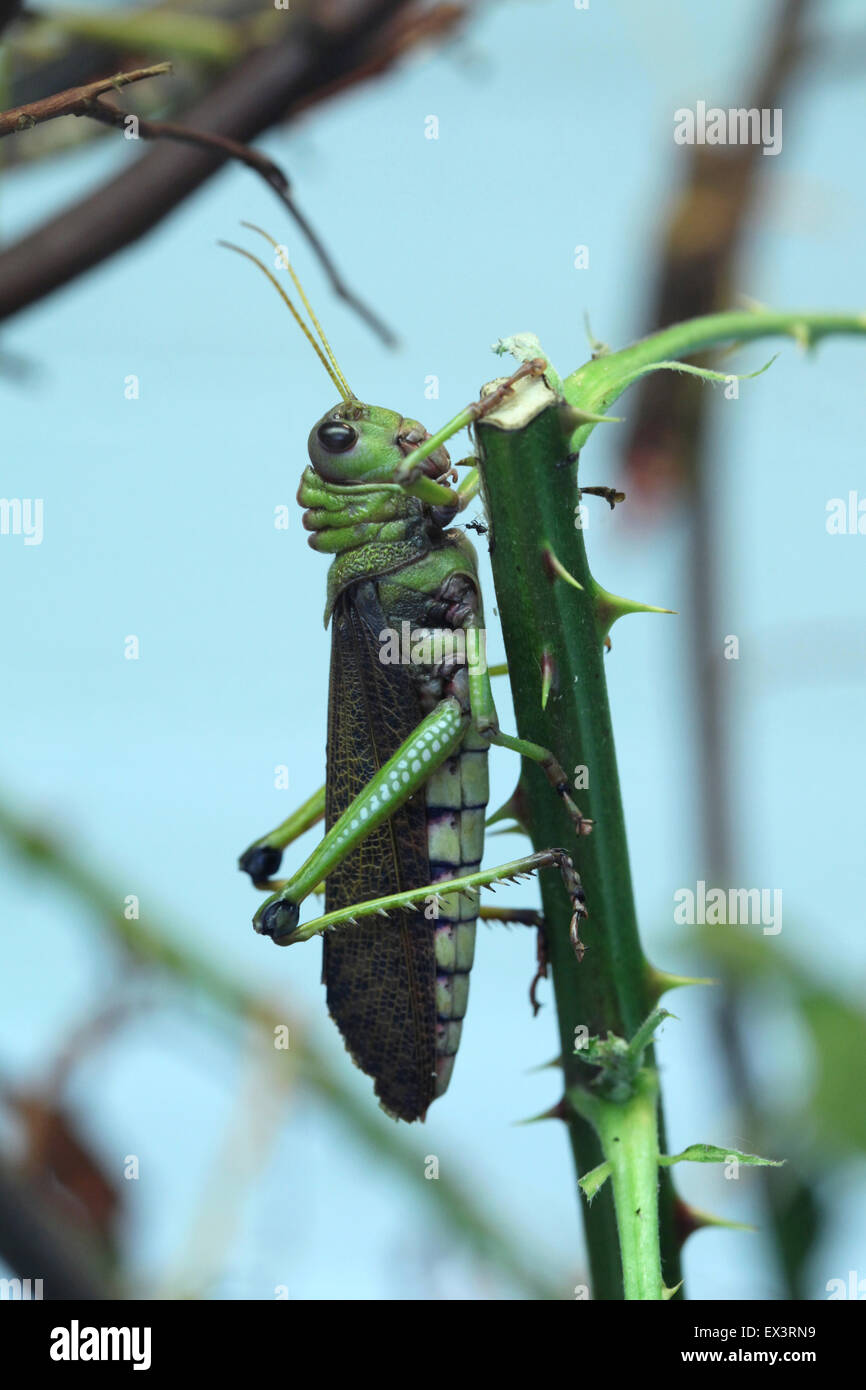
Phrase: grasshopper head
(357,443)
(354,443)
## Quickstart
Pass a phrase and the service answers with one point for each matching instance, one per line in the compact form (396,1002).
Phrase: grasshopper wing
(380,974)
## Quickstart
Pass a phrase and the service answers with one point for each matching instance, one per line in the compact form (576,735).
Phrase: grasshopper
(406,793)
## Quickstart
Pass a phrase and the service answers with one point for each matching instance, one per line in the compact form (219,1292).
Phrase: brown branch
(697,259)
(268,86)
(408,31)
(46,57)
(8,11)
(72,102)
(111,115)
(35,1248)
(87,101)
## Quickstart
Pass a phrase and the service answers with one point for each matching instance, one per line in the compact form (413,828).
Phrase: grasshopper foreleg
(409,473)
(552,770)
(487,723)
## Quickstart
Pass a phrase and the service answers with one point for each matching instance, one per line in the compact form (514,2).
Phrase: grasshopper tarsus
(278,920)
(261,862)
(535,367)
(541,959)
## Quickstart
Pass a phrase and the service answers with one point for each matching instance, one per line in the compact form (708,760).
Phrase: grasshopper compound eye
(336,437)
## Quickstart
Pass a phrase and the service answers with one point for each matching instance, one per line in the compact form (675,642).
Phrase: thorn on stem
(549,675)
(555,568)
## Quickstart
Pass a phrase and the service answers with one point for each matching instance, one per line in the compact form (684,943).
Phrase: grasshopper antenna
(329,361)
(284,260)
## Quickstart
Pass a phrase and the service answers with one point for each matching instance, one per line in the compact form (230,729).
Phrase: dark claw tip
(260,862)
(278,920)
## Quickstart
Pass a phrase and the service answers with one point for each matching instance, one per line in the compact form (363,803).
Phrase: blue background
(555,128)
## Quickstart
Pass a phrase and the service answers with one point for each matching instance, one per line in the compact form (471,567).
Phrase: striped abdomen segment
(456,807)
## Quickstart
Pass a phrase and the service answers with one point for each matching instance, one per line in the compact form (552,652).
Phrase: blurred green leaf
(832,1118)
(712,1153)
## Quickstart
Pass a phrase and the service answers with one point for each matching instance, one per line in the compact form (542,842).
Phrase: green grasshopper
(406,792)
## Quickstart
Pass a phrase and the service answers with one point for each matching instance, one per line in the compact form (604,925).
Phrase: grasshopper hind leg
(263,857)
(278,920)
(261,862)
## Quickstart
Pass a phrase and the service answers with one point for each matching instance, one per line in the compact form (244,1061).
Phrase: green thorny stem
(628,1134)
(553,633)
